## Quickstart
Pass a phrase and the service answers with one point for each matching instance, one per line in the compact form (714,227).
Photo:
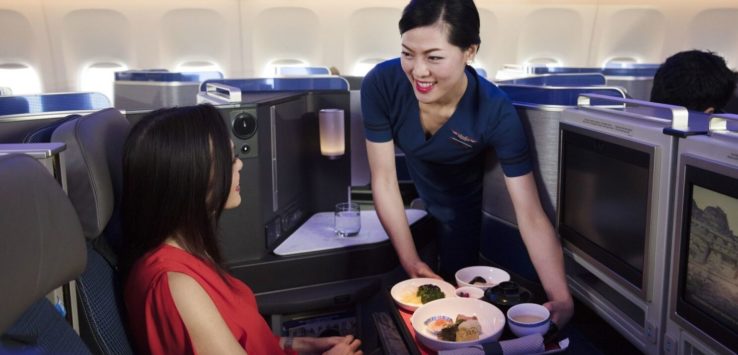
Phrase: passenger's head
(439,37)
(697,80)
(179,173)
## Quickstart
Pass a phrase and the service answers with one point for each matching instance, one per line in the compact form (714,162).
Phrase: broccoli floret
(429,292)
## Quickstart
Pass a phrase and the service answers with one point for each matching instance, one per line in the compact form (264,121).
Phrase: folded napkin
(529,344)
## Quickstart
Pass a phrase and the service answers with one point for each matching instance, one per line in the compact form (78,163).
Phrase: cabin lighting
(332,133)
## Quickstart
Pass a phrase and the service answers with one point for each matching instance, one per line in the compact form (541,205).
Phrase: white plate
(404,289)
(490,318)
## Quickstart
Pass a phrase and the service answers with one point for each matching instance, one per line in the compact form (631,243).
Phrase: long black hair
(177,172)
(460,16)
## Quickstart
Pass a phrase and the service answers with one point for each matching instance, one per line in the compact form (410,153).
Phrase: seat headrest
(41,241)
(94,165)
(43,134)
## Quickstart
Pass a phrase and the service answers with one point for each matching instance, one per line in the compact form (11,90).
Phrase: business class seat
(41,248)
(94,172)
(43,134)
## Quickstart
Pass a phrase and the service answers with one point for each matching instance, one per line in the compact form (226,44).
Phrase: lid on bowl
(507,294)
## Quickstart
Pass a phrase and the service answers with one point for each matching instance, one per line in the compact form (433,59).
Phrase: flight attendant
(444,116)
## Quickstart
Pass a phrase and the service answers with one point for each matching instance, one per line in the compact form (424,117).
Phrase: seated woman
(179,173)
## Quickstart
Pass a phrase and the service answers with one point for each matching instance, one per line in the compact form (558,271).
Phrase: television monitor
(605,184)
(706,246)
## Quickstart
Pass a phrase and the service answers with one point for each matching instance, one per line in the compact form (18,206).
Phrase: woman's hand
(561,311)
(327,345)
(345,345)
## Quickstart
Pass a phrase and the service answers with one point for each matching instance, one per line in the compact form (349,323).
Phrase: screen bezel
(603,260)
(722,179)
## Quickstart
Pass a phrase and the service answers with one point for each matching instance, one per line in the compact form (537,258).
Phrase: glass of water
(347,219)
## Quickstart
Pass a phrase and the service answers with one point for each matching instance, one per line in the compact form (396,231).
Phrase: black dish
(507,294)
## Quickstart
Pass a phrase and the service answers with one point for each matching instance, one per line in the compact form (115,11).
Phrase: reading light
(332,136)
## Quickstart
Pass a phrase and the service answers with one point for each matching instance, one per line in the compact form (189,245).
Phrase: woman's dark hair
(177,171)
(694,79)
(460,16)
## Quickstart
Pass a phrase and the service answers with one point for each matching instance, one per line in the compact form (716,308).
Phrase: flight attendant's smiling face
(434,66)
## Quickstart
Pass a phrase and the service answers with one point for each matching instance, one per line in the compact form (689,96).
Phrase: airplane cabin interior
(643,196)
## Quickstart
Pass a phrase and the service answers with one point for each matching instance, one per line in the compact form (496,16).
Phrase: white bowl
(492,275)
(528,318)
(490,319)
(471,292)
(402,291)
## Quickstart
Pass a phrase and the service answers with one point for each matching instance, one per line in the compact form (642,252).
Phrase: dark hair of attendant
(459,16)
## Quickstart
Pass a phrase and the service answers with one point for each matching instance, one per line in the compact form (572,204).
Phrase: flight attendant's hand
(561,311)
(421,269)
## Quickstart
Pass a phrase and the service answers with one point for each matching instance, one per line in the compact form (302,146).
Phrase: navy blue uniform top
(448,167)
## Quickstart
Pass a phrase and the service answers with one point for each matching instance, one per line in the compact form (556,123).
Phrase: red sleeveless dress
(154,321)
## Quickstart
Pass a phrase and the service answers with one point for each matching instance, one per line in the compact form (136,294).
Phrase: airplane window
(20,79)
(198,66)
(273,67)
(545,61)
(620,62)
(301,70)
(99,77)
(511,71)
(365,65)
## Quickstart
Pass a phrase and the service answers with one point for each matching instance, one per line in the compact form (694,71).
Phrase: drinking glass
(347,219)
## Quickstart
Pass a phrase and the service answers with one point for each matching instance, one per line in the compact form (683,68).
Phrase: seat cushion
(41,330)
